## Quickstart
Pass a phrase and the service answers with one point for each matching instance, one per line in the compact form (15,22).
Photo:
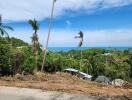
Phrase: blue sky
(104,22)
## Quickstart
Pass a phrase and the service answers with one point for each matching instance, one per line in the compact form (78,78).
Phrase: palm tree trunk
(81,59)
(10,49)
(45,52)
(36,59)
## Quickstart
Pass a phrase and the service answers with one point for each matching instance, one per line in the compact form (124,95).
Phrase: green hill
(15,41)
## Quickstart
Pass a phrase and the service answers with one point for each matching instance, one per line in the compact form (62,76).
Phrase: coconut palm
(3,28)
(35,43)
(80,36)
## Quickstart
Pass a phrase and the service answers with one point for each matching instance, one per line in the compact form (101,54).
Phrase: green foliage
(17,59)
(17,42)
(4,40)
(112,63)
(28,65)
(53,62)
(5,55)
(13,41)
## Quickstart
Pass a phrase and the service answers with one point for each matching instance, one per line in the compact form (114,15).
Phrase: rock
(103,79)
(118,82)
(18,76)
(40,76)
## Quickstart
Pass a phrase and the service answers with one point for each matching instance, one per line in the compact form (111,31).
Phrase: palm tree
(80,36)
(35,43)
(3,28)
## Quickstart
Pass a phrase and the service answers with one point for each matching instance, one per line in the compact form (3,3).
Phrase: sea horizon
(57,49)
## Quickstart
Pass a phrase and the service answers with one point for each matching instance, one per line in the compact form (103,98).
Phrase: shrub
(5,57)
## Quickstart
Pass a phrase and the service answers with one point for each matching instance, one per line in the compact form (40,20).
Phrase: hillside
(15,41)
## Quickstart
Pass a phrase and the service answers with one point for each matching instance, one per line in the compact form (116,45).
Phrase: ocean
(57,49)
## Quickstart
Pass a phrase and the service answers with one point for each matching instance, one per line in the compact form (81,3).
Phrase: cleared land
(11,93)
(63,82)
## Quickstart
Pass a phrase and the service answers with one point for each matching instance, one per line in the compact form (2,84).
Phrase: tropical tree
(5,54)
(3,28)
(35,42)
(80,36)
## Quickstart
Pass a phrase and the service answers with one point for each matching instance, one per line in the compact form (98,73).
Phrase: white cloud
(68,22)
(65,38)
(116,3)
(19,10)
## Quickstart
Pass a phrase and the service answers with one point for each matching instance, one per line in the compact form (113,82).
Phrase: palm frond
(3,32)
(34,24)
(80,37)
(7,35)
(30,22)
(81,34)
(8,27)
(3,27)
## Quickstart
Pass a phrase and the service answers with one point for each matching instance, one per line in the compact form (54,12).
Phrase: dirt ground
(66,83)
(15,93)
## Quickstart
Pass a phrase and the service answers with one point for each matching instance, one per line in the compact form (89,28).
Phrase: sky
(104,22)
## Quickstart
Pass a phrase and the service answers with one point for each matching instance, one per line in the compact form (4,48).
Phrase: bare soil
(67,83)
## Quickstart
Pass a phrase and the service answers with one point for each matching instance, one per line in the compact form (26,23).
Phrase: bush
(5,59)
(28,65)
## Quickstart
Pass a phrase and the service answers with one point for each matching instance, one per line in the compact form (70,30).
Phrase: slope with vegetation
(15,42)
(111,63)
